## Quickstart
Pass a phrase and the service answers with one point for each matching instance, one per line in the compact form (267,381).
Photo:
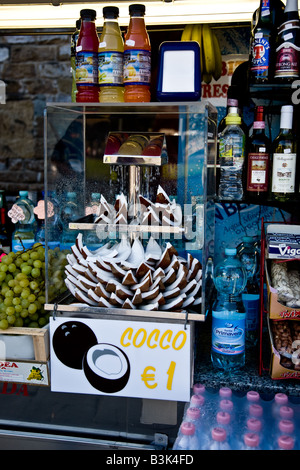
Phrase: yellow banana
(218,58)
(208,49)
(206,77)
(187,32)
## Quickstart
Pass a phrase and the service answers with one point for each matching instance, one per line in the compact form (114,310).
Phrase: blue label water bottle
(228,314)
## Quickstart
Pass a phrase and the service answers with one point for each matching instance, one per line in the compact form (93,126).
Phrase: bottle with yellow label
(111,52)
(232,156)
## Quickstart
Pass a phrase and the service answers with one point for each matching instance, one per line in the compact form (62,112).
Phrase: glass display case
(166,183)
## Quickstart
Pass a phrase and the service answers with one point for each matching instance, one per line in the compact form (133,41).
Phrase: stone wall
(36,70)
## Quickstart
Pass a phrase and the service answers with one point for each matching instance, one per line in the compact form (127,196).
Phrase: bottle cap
(286,442)
(286,412)
(137,9)
(197,400)
(218,434)
(248,240)
(88,13)
(23,193)
(255,410)
(198,389)
(225,392)
(193,413)
(110,12)
(252,395)
(281,398)
(230,251)
(251,439)
(223,417)
(254,424)
(187,428)
(226,405)
(78,23)
(286,426)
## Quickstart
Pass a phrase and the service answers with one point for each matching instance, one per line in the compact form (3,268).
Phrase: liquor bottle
(283,185)
(287,65)
(263,45)
(258,159)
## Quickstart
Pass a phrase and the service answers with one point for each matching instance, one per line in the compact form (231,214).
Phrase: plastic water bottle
(228,314)
(249,257)
(280,399)
(193,415)
(24,234)
(219,440)
(250,441)
(69,213)
(231,156)
(224,420)
(285,443)
(186,439)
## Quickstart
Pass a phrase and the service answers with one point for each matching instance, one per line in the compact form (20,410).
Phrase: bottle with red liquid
(258,159)
(137,57)
(87,59)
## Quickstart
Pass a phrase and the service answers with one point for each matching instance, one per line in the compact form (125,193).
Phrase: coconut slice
(144,284)
(79,242)
(72,279)
(151,306)
(170,277)
(159,272)
(158,299)
(170,294)
(174,304)
(89,275)
(86,282)
(115,300)
(188,301)
(69,270)
(128,304)
(123,292)
(102,264)
(117,270)
(93,296)
(193,270)
(137,298)
(161,196)
(129,279)
(173,265)
(123,250)
(144,201)
(104,303)
(82,297)
(180,281)
(102,276)
(79,268)
(143,269)
(197,301)
(158,282)
(150,294)
(101,292)
(189,287)
(70,286)
(71,259)
(78,255)
(111,285)
(137,254)
(165,259)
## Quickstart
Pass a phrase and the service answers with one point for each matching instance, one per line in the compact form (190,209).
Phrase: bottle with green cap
(232,157)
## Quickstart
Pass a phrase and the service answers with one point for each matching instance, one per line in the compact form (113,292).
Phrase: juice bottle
(137,57)
(111,55)
(87,59)
(74,39)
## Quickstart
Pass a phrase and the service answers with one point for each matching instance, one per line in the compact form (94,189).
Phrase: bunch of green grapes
(56,272)
(22,289)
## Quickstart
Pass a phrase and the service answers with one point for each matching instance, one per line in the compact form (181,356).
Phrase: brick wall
(36,69)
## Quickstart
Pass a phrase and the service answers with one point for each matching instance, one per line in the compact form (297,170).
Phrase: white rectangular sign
(121,358)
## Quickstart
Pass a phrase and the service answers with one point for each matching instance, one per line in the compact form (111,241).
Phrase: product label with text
(284,171)
(137,67)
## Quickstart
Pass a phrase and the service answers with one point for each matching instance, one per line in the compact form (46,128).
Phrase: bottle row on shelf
(106,68)
(252,166)
(275,42)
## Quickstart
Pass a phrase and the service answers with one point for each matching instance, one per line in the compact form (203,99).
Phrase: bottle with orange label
(137,57)
(87,59)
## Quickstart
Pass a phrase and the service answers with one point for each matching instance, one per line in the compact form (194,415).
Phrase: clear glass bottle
(111,58)
(69,213)
(284,159)
(232,156)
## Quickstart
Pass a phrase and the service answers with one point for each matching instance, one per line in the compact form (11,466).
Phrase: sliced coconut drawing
(106,368)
